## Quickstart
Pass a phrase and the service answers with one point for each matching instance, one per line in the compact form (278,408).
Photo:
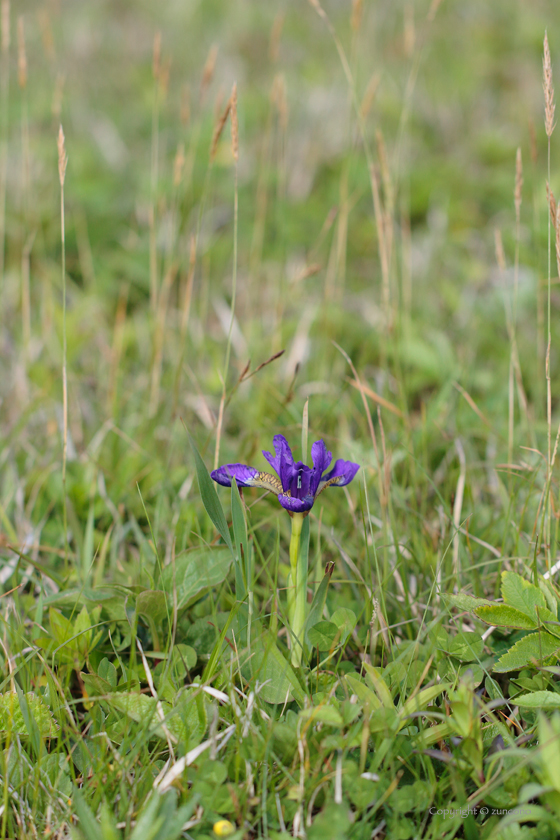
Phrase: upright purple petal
(296,505)
(283,463)
(243,475)
(283,451)
(321,460)
(342,473)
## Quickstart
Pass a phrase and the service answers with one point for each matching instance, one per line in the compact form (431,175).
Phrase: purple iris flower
(297,485)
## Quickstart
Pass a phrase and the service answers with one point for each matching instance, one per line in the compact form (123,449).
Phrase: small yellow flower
(223,828)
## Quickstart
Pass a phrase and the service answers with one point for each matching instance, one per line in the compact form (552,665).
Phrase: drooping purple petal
(341,474)
(296,505)
(243,474)
(246,477)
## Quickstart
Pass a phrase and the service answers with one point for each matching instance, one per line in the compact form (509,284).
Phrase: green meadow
(222,222)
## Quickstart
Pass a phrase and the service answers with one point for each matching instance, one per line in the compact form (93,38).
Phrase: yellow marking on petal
(268,481)
(336,480)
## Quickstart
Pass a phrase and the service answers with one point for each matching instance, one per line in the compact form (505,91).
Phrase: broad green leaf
(153,603)
(464,602)
(373,676)
(549,592)
(196,572)
(549,749)
(466,646)
(183,658)
(323,635)
(433,734)
(95,685)
(107,671)
(210,499)
(186,721)
(538,700)
(534,647)
(502,615)
(61,628)
(549,620)
(362,692)
(345,620)
(521,594)
(266,664)
(12,719)
(322,714)
(89,826)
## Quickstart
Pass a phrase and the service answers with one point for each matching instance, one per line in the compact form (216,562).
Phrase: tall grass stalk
(62,161)
(4,115)
(231,111)
(549,128)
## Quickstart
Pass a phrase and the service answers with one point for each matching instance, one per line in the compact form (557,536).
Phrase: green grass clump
(351,249)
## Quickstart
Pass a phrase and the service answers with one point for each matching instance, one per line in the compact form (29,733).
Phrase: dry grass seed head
(22,58)
(275,35)
(518,183)
(156,59)
(499,250)
(62,157)
(552,206)
(5,15)
(548,90)
(234,123)
(218,130)
(208,71)
(185,110)
(356,18)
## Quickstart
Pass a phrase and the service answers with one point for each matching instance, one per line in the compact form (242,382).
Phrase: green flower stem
(298,589)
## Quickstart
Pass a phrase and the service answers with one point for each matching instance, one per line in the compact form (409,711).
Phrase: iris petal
(321,460)
(246,477)
(341,474)
(296,505)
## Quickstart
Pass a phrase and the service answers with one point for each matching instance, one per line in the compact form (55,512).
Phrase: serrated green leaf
(195,572)
(534,647)
(550,620)
(12,719)
(538,700)
(502,615)
(464,602)
(521,594)
(210,500)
